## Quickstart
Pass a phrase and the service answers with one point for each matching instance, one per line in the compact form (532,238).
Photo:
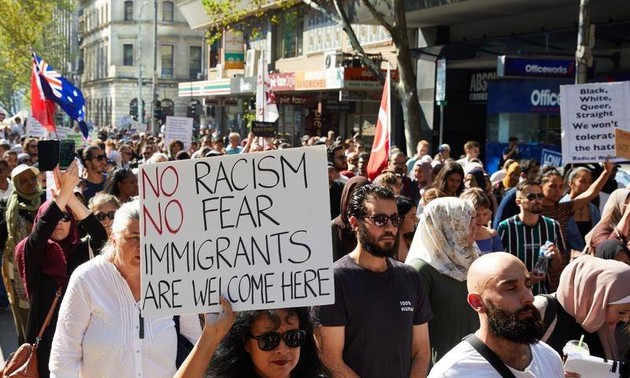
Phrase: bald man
(500,291)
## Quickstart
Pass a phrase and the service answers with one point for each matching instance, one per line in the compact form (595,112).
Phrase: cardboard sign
(590,114)
(622,144)
(178,128)
(252,227)
(35,129)
(264,129)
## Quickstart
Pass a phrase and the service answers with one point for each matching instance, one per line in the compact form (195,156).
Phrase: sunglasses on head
(269,341)
(99,157)
(380,220)
(533,196)
(101,216)
(65,217)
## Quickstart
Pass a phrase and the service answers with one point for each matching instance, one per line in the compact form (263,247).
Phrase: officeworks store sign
(524,96)
(543,68)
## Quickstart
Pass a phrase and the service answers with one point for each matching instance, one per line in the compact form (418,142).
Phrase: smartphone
(66,153)
(53,152)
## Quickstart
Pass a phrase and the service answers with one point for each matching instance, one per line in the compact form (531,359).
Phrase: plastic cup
(573,347)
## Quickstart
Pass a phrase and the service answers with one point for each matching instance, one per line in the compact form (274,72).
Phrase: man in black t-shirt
(378,324)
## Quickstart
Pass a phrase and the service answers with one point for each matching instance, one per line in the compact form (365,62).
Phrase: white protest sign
(590,114)
(178,128)
(63,132)
(35,129)
(252,227)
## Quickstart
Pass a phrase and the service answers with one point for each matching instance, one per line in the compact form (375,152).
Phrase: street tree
(391,14)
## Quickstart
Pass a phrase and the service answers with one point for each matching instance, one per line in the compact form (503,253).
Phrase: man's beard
(370,244)
(510,327)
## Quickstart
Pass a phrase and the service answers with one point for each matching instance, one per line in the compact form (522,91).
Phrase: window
(194,62)
(128,10)
(291,34)
(127,55)
(167,11)
(167,60)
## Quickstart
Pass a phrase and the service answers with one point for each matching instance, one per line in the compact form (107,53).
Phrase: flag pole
(389,101)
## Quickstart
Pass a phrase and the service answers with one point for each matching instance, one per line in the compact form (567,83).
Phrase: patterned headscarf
(442,236)
(587,286)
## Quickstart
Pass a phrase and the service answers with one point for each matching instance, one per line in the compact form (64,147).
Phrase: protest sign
(550,158)
(590,114)
(178,128)
(252,227)
(622,144)
(264,129)
(35,129)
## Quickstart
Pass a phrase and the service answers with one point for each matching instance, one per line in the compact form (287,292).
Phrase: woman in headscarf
(442,250)
(615,221)
(21,209)
(592,297)
(343,237)
(421,173)
(613,249)
(52,251)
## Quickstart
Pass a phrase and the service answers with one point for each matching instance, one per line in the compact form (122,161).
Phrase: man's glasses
(65,217)
(534,196)
(101,216)
(269,341)
(380,220)
(99,157)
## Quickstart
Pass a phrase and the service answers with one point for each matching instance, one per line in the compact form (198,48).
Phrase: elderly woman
(21,210)
(52,251)
(442,250)
(266,343)
(102,331)
(592,297)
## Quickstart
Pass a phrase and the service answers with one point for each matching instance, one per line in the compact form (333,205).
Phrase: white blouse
(98,330)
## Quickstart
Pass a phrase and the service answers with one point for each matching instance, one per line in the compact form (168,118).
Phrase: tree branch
(379,18)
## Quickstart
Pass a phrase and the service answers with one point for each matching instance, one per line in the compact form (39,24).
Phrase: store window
(127,55)
(128,10)
(167,60)
(194,62)
(167,11)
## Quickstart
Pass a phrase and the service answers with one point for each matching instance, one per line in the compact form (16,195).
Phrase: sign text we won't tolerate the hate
(254,228)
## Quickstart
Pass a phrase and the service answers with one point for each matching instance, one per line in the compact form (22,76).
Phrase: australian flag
(59,90)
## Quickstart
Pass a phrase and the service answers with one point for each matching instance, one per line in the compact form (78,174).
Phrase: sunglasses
(269,341)
(380,220)
(533,196)
(101,216)
(99,157)
(65,217)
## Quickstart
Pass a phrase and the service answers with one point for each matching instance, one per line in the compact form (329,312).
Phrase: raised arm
(593,190)
(217,326)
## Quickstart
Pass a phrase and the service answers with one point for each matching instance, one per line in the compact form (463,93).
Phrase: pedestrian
(450,180)
(487,239)
(343,236)
(499,290)
(377,326)
(614,223)
(584,218)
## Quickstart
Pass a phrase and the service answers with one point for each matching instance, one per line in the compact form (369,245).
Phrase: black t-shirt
(378,311)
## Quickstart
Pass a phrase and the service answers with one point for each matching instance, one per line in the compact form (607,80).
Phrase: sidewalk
(8,337)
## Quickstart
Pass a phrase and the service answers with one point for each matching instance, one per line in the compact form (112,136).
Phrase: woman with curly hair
(264,343)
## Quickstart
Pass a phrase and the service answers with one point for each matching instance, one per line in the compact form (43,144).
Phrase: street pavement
(8,337)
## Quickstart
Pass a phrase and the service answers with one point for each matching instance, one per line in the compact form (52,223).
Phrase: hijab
(608,249)
(479,176)
(442,235)
(56,255)
(613,210)
(587,286)
(427,170)
(344,232)
(512,168)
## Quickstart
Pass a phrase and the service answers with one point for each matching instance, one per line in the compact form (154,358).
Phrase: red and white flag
(42,109)
(380,147)
(266,108)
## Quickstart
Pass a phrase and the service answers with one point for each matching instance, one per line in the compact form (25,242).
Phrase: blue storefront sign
(525,96)
(526,67)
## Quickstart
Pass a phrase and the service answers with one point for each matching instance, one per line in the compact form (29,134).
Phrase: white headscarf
(441,237)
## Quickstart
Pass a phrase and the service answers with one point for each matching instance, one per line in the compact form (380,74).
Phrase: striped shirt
(524,242)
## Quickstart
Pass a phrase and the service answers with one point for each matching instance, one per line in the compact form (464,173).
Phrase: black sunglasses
(101,216)
(269,341)
(533,196)
(99,157)
(65,217)
(380,220)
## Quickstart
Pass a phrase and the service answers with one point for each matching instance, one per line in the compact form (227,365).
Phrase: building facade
(117,52)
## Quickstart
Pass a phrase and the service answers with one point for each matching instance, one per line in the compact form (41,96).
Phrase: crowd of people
(441,269)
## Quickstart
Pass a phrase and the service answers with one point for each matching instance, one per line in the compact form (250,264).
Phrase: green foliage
(26,25)
(244,15)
